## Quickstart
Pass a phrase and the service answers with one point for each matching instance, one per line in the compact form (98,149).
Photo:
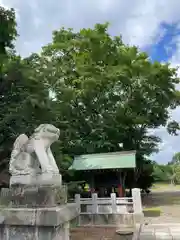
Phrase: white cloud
(175,60)
(2,3)
(138,21)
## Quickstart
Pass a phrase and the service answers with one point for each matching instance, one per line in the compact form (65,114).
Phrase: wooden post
(120,187)
(92,181)
(113,203)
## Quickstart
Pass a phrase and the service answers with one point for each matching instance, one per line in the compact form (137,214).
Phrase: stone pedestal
(37,224)
(43,196)
(35,212)
(36,180)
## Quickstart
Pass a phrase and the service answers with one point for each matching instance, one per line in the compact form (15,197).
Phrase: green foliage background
(99,91)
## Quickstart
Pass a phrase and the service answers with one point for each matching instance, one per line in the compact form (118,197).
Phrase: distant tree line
(170,172)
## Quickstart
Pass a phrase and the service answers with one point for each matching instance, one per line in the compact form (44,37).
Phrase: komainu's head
(46,131)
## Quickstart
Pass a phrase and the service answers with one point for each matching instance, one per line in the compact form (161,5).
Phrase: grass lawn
(152,212)
(164,187)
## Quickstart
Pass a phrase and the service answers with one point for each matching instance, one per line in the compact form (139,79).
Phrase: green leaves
(97,90)
(107,87)
(23,103)
(8,31)
(107,92)
(176,159)
(173,127)
(162,173)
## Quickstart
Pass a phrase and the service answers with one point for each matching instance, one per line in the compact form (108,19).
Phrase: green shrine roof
(112,160)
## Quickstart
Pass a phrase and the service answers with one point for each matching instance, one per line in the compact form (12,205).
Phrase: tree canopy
(8,31)
(107,92)
(169,172)
(99,91)
(23,98)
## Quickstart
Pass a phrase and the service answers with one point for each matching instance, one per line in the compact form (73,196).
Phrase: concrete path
(169,205)
(158,232)
(167,225)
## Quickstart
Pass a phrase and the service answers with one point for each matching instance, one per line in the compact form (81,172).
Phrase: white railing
(112,206)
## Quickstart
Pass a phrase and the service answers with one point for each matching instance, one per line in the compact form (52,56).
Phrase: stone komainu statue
(32,156)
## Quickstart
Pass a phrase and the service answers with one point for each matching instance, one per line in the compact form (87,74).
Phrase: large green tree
(106,93)
(97,90)
(7,35)
(8,31)
(24,99)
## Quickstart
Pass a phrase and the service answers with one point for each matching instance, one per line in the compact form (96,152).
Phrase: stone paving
(167,231)
(167,225)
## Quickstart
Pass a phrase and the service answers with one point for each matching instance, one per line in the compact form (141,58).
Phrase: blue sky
(165,47)
(153,26)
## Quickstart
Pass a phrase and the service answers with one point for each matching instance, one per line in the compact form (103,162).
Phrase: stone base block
(35,233)
(44,179)
(18,196)
(37,224)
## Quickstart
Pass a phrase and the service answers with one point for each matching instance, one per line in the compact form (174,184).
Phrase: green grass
(152,209)
(161,185)
(164,186)
(152,212)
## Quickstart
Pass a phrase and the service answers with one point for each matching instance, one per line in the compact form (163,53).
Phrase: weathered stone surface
(36,180)
(53,216)
(37,223)
(33,196)
(34,208)
(45,233)
(21,233)
(56,216)
(33,155)
(61,195)
(34,233)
